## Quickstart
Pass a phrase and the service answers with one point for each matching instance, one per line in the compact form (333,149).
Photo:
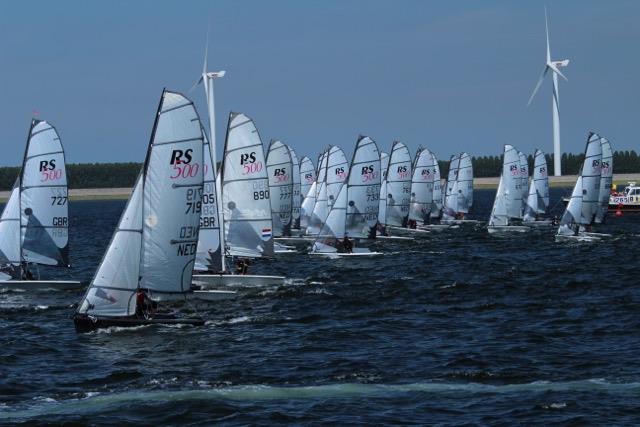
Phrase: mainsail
(44,219)
(320,211)
(154,245)
(605,180)
(384,164)
(436,207)
(280,173)
(538,198)
(297,188)
(307,177)
(590,173)
(524,174)
(208,255)
(450,197)
(333,229)
(465,183)
(422,184)
(308,204)
(570,221)
(337,170)
(398,185)
(363,189)
(508,202)
(245,191)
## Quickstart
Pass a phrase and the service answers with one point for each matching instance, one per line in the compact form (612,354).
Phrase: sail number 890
(262,194)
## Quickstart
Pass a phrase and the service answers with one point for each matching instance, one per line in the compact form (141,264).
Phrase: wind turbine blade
(206,51)
(556,70)
(195,84)
(540,80)
(546,28)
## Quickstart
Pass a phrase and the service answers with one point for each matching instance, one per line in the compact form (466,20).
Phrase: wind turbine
(207,78)
(554,67)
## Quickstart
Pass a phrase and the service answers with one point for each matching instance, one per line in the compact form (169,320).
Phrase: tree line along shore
(115,179)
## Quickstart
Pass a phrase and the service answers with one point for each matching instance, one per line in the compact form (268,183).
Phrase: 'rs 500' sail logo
(249,163)
(340,173)
(308,177)
(48,171)
(425,174)
(281,175)
(181,164)
(368,173)
(402,171)
(595,165)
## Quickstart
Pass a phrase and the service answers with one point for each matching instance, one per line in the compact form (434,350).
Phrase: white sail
(172,197)
(44,209)
(422,183)
(465,183)
(524,174)
(337,170)
(363,189)
(307,177)
(382,203)
(450,196)
(208,255)
(398,185)
(499,216)
(280,173)
(605,180)
(322,169)
(112,290)
(384,164)
(569,223)
(296,188)
(10,230)
(436,206)
(591,179)
(320,211)
(307,206)
(538,197)
(246,207)
(333,230)
(512,177)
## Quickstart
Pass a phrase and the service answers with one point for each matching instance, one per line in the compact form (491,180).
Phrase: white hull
(294,239)
(495,229)
(541,223)
(598,235)
(394,238)
(285,251)
(29,285)
(460,221)
(346,255)
(438,227)
(212,295)
(213,281)
(403,230)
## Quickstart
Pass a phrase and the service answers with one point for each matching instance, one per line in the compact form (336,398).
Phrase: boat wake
(99,402)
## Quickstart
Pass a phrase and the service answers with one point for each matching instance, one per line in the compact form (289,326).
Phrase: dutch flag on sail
(266,232)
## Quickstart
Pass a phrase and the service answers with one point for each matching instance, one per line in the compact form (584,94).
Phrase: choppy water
(453,328)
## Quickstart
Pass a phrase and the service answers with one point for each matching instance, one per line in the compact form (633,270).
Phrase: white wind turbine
(554,67)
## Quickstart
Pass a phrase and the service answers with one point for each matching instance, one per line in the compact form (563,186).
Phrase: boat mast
(207,79)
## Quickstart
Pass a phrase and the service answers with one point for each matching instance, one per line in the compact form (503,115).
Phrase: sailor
(242,266)
(26,274)
(145,306)
(347,245)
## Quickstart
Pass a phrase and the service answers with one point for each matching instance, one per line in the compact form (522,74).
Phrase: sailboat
(297,188)
(458,198)
(422,182)
(34,225)
(398,186)
(524,175)
(321,203)
(606,179)
(329,241)
(507,205)
(280,173)
(363,189)
(246,208)
(154,246)
(538,195)
(581,209)
(435,213)
(336,172)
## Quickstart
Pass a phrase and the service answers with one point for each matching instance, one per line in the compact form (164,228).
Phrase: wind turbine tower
(554,67)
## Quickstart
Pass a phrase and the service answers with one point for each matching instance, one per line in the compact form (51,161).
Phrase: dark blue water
(453,328)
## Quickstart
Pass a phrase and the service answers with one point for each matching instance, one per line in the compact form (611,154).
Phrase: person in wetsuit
(145,306)
(347,246)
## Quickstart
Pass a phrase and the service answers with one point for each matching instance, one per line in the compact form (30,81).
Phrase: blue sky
(448,75)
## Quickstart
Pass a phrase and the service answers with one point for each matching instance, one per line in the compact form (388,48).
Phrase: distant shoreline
(479,183)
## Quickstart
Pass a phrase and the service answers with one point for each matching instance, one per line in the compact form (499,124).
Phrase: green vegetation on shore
(123,175)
